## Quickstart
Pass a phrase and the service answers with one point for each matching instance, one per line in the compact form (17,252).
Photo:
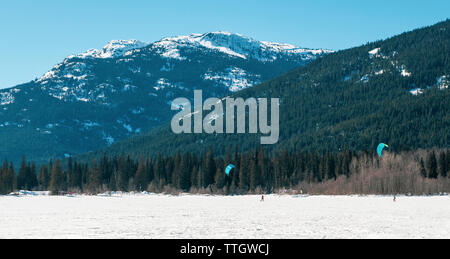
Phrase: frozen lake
(159,216)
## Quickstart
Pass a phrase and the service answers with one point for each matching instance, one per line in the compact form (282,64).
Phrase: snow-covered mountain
(100,96)
(234,45)
(231,44)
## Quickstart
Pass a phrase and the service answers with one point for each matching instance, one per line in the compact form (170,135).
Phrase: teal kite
(229,168)
(380,149)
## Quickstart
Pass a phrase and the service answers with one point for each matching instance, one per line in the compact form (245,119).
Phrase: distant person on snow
(395,198)
(262,198)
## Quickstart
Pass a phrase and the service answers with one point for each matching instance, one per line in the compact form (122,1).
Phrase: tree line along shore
(421,172)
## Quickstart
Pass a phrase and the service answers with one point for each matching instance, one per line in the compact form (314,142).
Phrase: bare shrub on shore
(390,175)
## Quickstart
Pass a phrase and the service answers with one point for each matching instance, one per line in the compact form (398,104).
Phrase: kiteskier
(200,250)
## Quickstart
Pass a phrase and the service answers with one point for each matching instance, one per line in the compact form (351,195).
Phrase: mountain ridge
(223,41)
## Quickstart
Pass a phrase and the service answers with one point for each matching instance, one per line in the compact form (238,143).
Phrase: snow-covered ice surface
(189,216)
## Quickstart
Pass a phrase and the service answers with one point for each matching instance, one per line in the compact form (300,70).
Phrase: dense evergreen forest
(352,99)
(347,172)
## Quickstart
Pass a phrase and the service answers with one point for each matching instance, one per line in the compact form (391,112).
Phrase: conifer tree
(70,171)
(315,166)
(56,179)
(209,168)
(122,176)
(244,181)
(141,179)
(194,177)
(200,177)
(330,169)
(264,177)
(77,176)
(423,170)
(3,172)
(253,174)
(346,163)
(432,165)
(22,175)
(43,178)
(95,176)
(113,182)
(7,178)
(159,171)
(447,158)
(220,178)
(31,177)
(185,173)
(10,181)
(150,172)
(442,165)
(173,167)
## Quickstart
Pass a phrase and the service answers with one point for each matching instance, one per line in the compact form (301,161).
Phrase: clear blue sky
(36,35)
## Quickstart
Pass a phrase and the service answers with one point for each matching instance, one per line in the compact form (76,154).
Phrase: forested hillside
(393,91)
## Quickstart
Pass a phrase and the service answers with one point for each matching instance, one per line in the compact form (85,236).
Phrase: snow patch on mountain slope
(113,49)
(6,98)
(128,127)
(78,92)
(234,78)
(405,73)
(164,83)
(48,75)
(171,46)
(374,53)
(443,82)
(161,84)
(78,71)
(67,81)
(173,53)
(380,72)
(138,110)
(108,139)
(135,69)
(401,69)
(87,125)
(365,79)
(416,91)
(377,53)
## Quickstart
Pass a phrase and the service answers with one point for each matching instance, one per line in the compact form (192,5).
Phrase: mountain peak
(113,49)
(235,45)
